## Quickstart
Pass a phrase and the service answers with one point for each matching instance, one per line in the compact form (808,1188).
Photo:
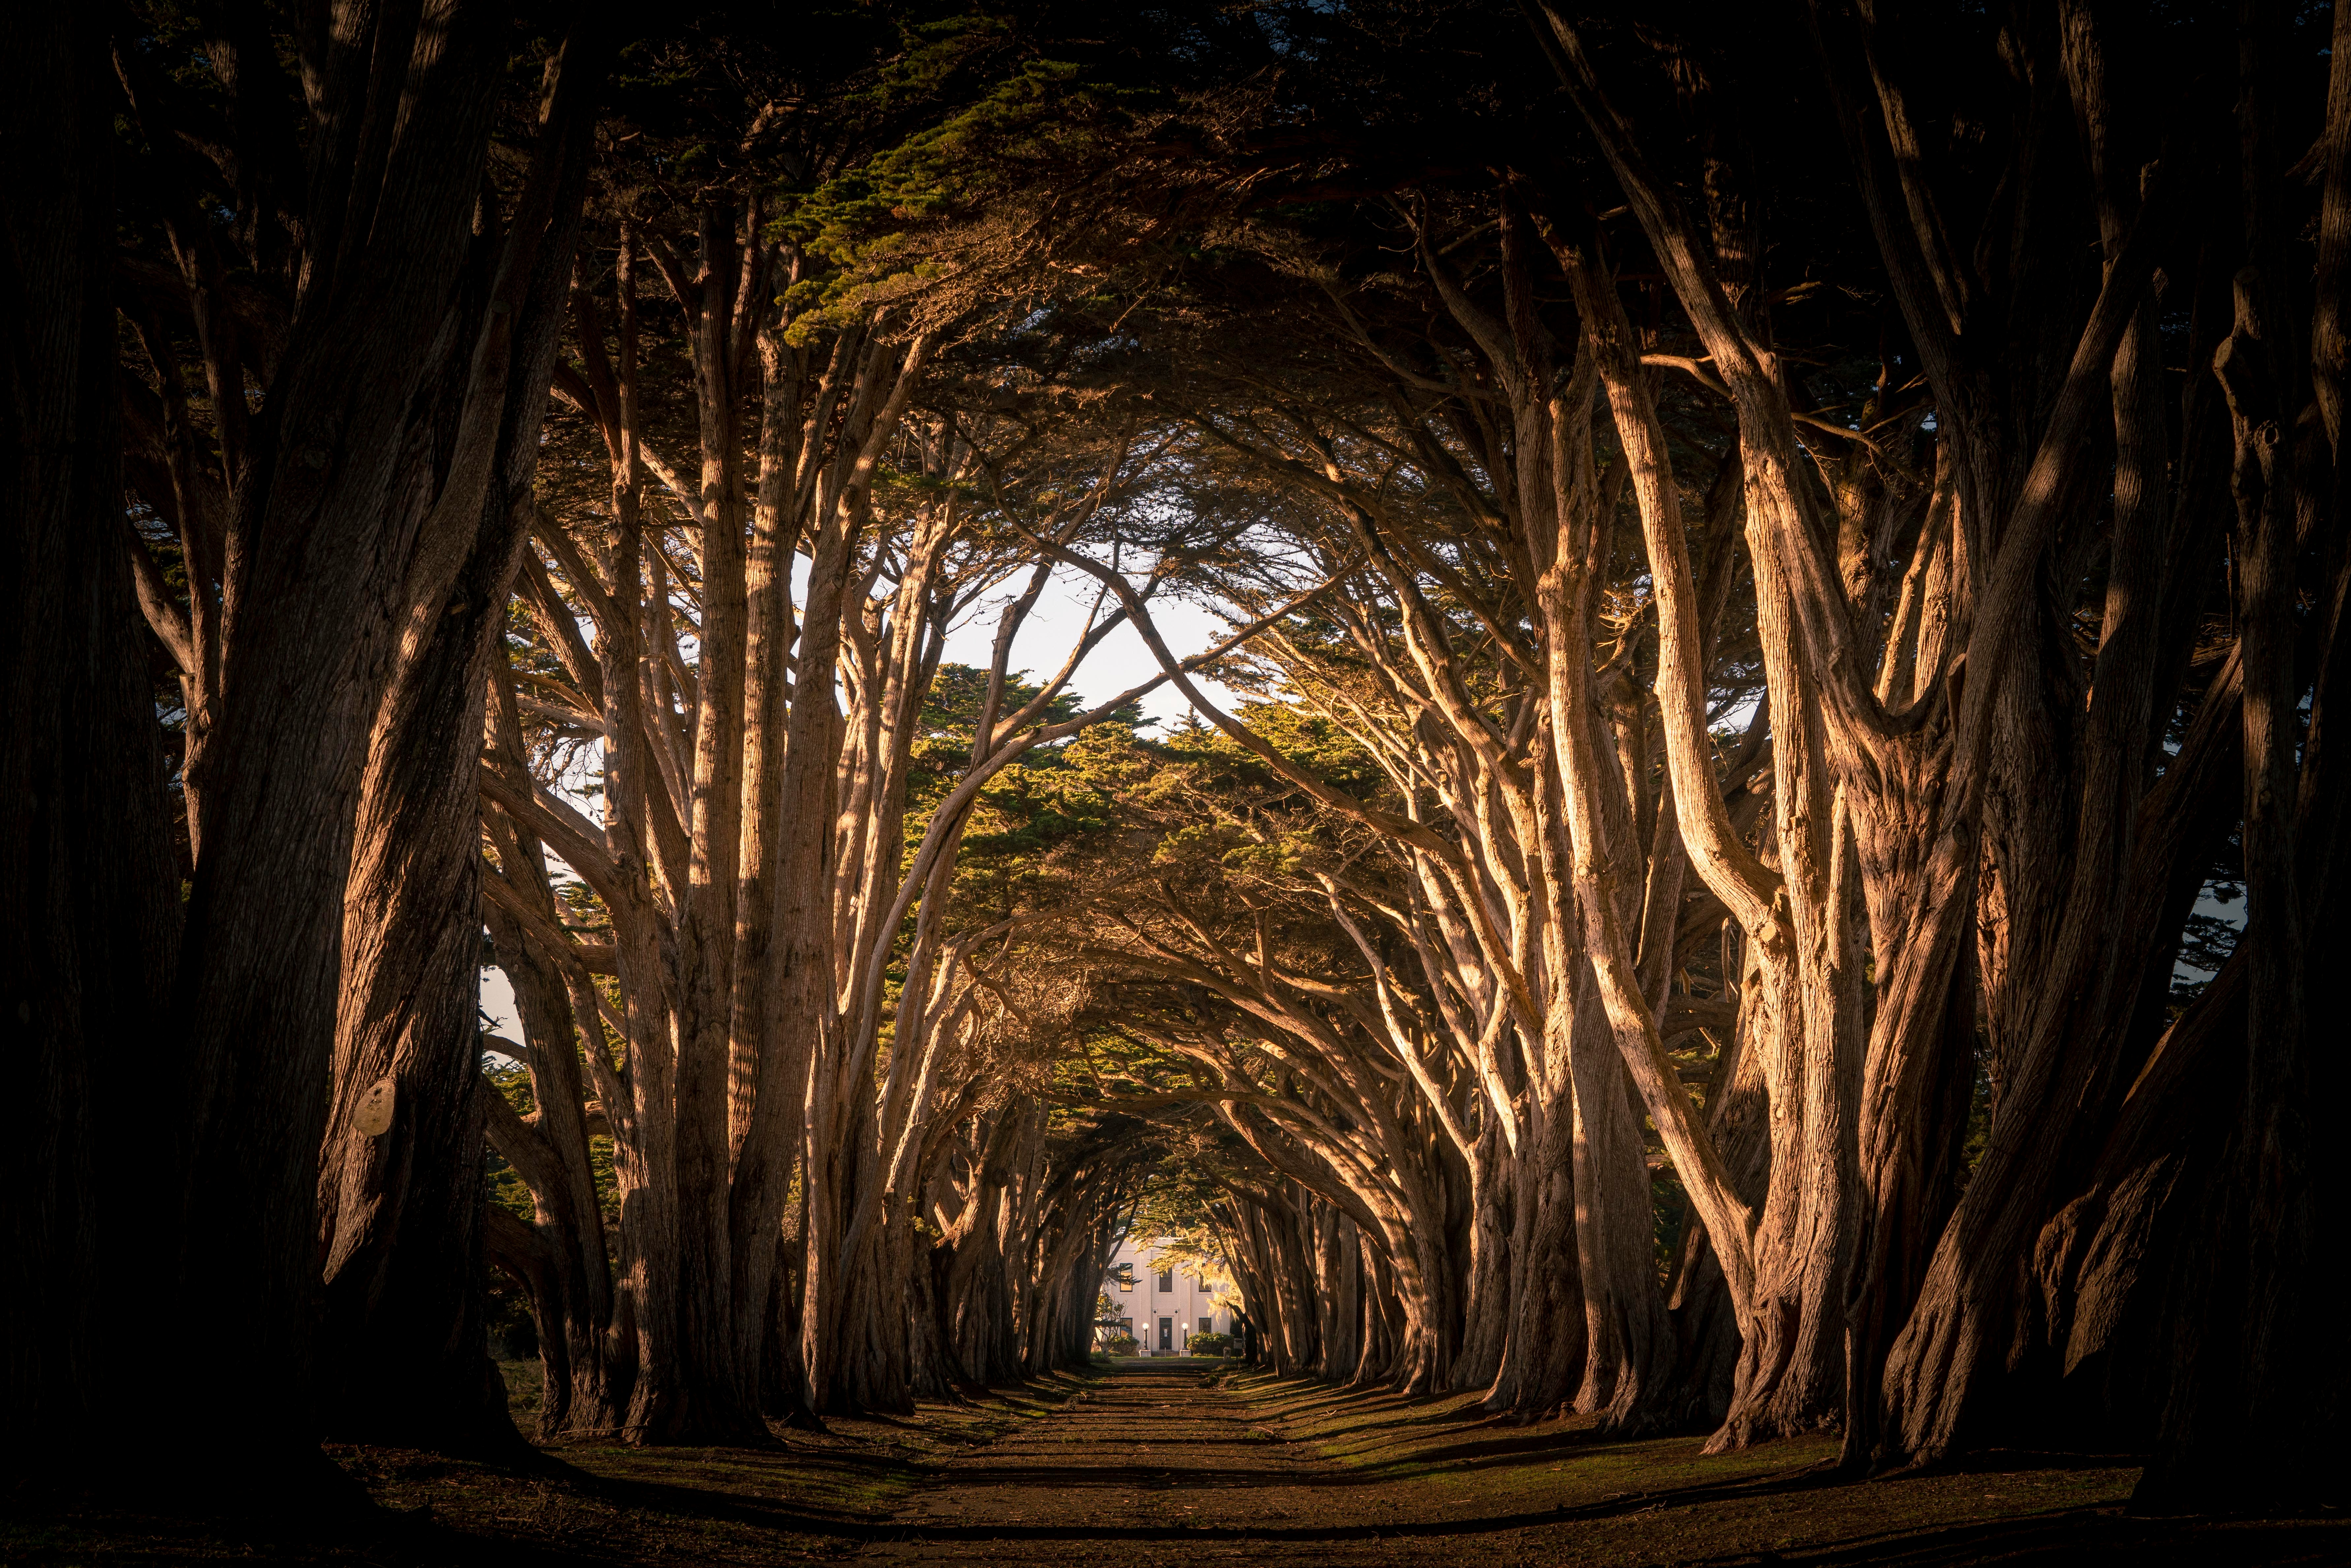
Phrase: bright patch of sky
(1119,663)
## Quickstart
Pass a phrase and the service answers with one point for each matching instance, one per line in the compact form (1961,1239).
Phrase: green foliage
(1297,734)
(1210,1345)
(1669,1213)
(1052,796)
(507,1188)
(1001,124)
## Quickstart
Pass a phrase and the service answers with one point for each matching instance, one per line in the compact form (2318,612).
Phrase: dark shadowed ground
(1175,1462)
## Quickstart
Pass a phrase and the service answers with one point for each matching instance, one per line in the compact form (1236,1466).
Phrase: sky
(1120,662)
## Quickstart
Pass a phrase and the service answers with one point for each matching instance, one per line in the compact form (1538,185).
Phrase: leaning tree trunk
(401,1357)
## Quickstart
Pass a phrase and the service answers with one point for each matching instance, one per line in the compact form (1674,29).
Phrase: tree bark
(401,1355)
(325,525)
(89,910)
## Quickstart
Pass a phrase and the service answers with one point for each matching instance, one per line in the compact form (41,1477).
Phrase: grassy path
(1175,1462)
(1152,1457)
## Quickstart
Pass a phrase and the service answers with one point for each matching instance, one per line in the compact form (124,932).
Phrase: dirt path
(1152,1460)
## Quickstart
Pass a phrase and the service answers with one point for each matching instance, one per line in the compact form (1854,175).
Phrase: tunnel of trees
(1755,852)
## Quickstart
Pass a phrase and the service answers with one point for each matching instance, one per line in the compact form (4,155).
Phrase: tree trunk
(1486,1316)
(326,525)
(89,898)
(1544,1362)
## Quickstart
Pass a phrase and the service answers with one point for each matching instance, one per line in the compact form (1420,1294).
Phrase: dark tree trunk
(2250,1422)
(88,900)
(403,1358)
(2120,1256)
(1486,1267)
(402,1353)
(1628,1361)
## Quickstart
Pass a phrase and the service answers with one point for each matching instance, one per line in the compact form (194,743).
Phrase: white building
(1164,1305)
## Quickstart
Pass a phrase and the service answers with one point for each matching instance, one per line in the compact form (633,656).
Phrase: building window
(1207,1325)
(1166,1282)
(1127,1284)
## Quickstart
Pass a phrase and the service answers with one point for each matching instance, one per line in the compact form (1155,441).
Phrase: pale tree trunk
(1787,1289)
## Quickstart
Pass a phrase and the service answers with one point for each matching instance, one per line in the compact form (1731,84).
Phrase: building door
(1167,1334)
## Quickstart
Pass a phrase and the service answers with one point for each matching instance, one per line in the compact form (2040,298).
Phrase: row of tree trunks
(729,1026)
(1982,841)
(1940,772)
(1567,1312)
